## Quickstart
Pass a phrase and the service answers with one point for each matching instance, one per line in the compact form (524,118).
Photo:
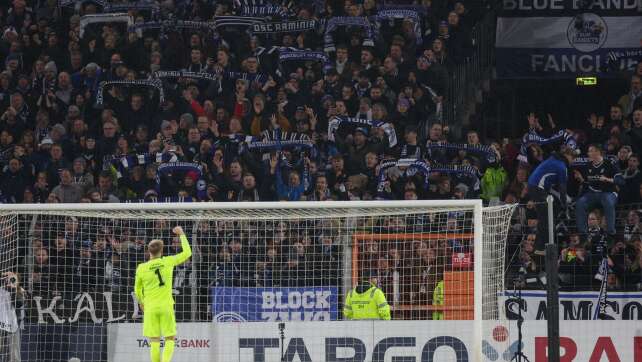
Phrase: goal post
(440,264)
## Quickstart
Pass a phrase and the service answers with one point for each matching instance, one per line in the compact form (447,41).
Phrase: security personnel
(366,301)
(438,300)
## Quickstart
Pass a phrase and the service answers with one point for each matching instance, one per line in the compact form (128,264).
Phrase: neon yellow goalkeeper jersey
(153,285)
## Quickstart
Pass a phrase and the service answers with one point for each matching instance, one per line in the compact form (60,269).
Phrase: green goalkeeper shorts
(159,322)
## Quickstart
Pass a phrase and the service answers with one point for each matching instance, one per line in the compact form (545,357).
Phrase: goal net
(273,277)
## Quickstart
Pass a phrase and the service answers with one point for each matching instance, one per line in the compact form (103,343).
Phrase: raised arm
(186,251)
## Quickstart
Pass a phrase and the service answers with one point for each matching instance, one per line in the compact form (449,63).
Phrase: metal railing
(465,77)
(577,277)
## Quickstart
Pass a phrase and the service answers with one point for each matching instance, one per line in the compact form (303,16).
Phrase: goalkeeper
(153,287)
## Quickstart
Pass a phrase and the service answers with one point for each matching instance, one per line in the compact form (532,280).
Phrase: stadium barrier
(380,341)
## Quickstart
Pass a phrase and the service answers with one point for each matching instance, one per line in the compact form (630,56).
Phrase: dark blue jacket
(552,172)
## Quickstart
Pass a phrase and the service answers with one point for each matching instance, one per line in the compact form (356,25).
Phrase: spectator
(56,164)
(86,270)
(575,267)
(293,190)
(223,273)
(40,277)
(67,191)
(632,226)
(81,177)
(633,99)
(14,181)
(249,191)
(550,173)
(41,188)
(106,144)
(599,179)
(635,133)
(616,115)
(105,187)
(62,262)
(296,270)
(326,267)
(494,180)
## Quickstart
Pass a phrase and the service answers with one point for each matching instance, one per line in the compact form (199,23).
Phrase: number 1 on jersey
(160,278)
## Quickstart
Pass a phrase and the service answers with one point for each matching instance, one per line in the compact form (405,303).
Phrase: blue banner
(230,304)
(567,42)
(564,63)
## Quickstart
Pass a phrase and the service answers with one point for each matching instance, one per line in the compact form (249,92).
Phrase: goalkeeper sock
(168,350)
(155,351)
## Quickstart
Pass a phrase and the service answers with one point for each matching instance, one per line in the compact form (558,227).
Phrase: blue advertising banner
(561,39)
(231,304)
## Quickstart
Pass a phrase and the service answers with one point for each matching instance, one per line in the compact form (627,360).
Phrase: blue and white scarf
(583,161)
(154,199)
(408,152)
(413,167)
(292,26)
(277,145)
(135,6)
(256,77)
(185,74)
(271,50)
(421,9)
(277,140)
(335,122)
(104,18)
(338,21)
(233,145)
(251,78)
(439,106)
(532,137)
(280,134)
(78,3)
(154,83)
(165,168)
(383,166)
(264,10)
(166,26)
(303,55)
(487,151)
(419,167)
(123,163)
(230,20)
(396,13)
(468,172)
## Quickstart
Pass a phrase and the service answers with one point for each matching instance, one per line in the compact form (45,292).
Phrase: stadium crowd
(209,101)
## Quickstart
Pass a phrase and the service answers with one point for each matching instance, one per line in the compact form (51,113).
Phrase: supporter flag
(564,39)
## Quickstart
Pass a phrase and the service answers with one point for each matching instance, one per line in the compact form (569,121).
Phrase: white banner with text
(381,341)
(573,305)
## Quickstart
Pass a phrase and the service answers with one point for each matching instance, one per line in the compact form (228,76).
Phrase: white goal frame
(474,205)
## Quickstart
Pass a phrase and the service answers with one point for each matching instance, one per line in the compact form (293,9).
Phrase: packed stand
(237,97)
(217,102)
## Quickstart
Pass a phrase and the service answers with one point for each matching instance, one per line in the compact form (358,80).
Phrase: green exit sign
(586,81)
